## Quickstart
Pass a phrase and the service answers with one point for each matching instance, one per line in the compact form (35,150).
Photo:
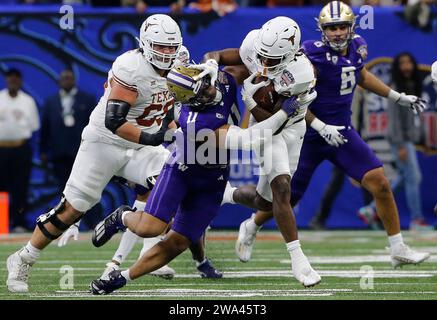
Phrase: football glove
(330,133)
(249,90)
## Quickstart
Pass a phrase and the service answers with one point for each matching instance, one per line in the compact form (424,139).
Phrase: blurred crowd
(417,12)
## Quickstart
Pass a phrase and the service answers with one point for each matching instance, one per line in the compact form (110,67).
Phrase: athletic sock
(148,243)
(395,240)
(125,274)
(295,250)
(30,253)
(128,241)
(251,226)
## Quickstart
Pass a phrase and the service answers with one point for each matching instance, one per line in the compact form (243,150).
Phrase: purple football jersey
(337,77)
(184,189)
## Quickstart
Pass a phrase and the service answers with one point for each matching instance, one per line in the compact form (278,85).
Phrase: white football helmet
(160,29)
(278,39)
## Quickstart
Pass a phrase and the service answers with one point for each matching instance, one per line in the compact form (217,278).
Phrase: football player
(129,239)
(122,138)
(187,184)
(273,51)
(339,62)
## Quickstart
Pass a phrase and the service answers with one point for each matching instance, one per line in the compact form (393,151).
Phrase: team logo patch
(222,78)
(334,59)
(219,116)
(362,51)
(286,78)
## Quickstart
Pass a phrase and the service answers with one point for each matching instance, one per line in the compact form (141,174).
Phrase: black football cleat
(106,228)
(208,271)
(115,281)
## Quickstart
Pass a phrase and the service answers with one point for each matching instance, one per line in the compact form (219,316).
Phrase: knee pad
(51,217)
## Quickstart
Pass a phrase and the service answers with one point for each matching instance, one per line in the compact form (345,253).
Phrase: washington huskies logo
(362,51)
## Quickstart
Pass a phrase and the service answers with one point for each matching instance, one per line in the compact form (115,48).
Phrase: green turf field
(337,255)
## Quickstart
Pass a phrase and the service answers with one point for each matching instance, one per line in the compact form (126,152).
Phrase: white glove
(249,90)
(210,67)
(415,103)
(72,232)
(330,133)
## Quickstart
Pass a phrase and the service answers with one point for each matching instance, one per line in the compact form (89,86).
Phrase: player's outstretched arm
(370,82)
(234,137)
(225,57)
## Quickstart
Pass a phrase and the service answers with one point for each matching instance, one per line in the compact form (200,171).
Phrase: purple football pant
(355,158)
(192,196)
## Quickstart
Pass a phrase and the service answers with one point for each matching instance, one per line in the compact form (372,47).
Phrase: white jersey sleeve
(124,71)
(297,78)
(247,53)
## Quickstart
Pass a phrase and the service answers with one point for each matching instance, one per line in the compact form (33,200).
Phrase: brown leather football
(266,97)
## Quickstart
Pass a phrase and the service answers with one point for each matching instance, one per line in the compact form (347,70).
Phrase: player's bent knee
(177,242)
(376,182)
(149,226)
(66,211)
(281,187)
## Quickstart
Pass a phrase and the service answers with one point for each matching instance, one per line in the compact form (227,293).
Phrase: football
(266,97)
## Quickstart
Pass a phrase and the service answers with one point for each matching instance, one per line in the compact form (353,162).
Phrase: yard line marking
(352,259)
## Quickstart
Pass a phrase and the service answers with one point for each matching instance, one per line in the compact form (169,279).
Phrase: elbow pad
(116,112)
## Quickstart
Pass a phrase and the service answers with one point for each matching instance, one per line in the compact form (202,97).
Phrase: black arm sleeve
(159,137)
(116,112)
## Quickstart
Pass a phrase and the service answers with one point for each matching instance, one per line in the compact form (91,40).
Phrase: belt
(12,144)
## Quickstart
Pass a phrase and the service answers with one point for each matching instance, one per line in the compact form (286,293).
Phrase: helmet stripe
(179,80)
(335,9)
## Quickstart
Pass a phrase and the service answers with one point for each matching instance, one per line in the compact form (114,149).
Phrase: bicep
(120,92)
(364,74)
(230,57)
(239,73)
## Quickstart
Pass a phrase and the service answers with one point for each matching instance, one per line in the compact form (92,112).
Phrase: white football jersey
(297,78)
(134,72)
